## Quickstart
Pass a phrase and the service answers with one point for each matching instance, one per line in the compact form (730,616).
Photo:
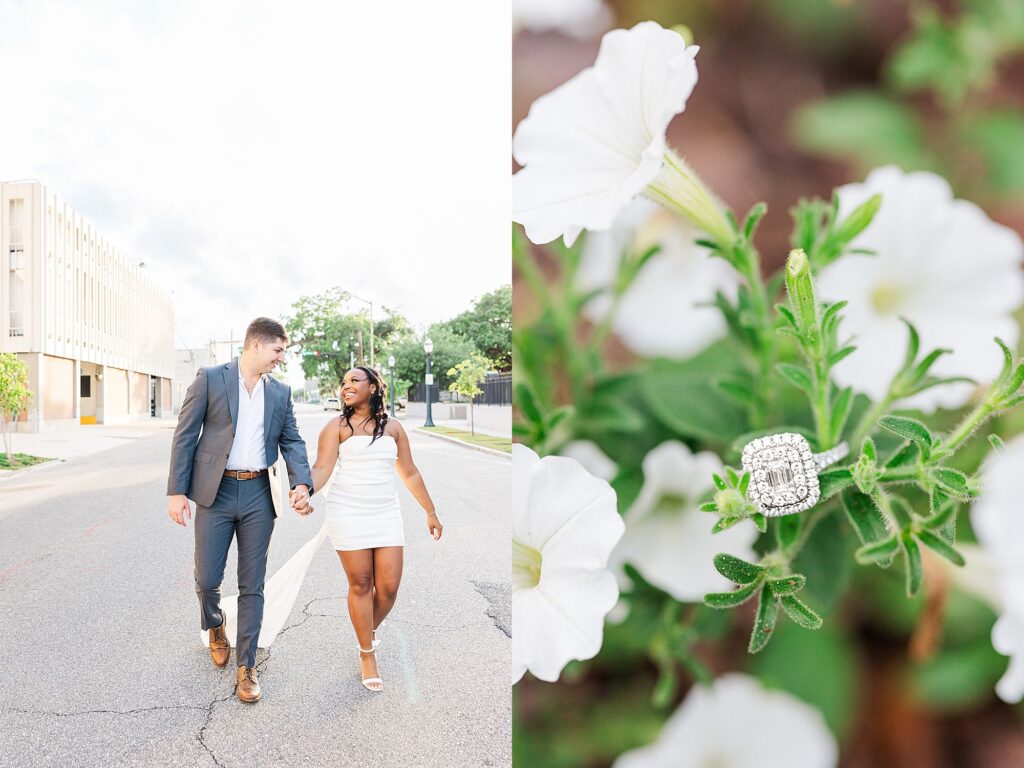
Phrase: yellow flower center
(887,298)
(526,566)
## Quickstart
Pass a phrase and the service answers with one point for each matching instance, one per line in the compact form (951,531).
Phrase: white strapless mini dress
(362,502)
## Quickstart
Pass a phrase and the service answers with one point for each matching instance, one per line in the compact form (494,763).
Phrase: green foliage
(15,395)
(489,326)
(977,137)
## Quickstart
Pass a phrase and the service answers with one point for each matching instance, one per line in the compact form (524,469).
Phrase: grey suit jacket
(206,430)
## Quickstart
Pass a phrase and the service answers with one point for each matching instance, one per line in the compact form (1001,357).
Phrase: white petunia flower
(737,723)
(998,524)
(597,141)
(592,458)
(564,525)
(668,539)
(661,313)
(942,264)
(579,18)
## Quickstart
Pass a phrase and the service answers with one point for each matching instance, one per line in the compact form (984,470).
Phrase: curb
(7,474)
(463,443)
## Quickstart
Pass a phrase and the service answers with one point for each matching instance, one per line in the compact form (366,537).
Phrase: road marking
(407,669)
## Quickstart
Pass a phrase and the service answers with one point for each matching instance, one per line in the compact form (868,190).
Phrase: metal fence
(497,390)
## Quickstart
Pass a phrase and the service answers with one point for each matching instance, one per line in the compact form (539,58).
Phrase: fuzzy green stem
(970,423)
(681,190)
(867,422)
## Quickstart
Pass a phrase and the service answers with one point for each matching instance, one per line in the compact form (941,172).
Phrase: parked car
(332,404)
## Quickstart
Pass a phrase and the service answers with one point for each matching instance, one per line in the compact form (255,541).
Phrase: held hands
(434,526)
(298,497)
(178,509)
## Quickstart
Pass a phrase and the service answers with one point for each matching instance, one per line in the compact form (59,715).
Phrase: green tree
(328,336)
(466,377)
(410,361)
(15,396)
(489,326)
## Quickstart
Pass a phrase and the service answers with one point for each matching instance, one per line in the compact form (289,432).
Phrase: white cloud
(251,153)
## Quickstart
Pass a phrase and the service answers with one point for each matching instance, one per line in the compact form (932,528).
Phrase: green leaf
(943,510)
(953,481)
(731,599)
(940,546)
(904,456)
(830,314)
(787,314)
(915,571)
(722,485)
(878,552)
(997,442)
(909,429)
(832,481)
(761,522)
(753,219)
(736,388)
(744,484)
(787,585)
(709,507)
(864,516)
(858,220)
(825,559)
(842,354)
(787,531)
(737,570)
(724,524)
(666,687)
(913,345)
(865,126)
(528,403)
(764,621)
(681,398)
(800,612)
(795,375)
(734,479)
(841,411)
(868,450)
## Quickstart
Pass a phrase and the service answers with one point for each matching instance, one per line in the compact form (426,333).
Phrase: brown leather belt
(239,475)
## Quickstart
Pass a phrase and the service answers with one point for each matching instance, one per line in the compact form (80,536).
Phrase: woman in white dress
(364,521)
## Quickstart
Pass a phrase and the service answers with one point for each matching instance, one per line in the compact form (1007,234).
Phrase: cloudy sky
(250,152)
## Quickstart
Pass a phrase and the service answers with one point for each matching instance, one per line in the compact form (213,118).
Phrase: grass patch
(21,460)
(487,441)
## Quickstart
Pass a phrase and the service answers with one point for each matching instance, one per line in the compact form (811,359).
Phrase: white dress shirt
(248,452)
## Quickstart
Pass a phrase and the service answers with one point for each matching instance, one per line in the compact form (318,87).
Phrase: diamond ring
(784,472)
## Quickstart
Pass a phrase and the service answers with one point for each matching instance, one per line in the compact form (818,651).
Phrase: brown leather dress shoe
(248,685)
(220,649)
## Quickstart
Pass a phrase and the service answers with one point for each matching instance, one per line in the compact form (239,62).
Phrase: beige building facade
(96,334)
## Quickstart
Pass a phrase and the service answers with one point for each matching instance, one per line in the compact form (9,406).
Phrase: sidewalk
(87,439)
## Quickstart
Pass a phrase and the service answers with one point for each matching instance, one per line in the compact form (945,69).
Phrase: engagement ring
(784,472)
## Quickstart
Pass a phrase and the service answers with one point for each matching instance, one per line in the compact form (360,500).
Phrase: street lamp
(367,301)
(428,347)
(391,366)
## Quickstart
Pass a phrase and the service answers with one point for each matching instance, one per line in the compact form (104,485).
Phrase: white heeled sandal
(367,681)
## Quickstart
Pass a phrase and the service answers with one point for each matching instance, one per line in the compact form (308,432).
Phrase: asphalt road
(101,662)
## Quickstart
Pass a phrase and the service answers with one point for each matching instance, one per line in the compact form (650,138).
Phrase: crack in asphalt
(498,609)
(15,710)
(206,723)
(260,668)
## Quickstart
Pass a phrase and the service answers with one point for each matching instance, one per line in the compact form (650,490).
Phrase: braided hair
(378,400)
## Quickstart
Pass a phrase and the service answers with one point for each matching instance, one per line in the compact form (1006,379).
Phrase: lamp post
(391,368)
(367,301)
(428,347)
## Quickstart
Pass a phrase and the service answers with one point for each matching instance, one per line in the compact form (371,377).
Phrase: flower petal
(594,143)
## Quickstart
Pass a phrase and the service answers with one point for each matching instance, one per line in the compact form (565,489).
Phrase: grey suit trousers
(242,509)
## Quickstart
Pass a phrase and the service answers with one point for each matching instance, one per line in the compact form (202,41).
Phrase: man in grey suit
(233,421)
